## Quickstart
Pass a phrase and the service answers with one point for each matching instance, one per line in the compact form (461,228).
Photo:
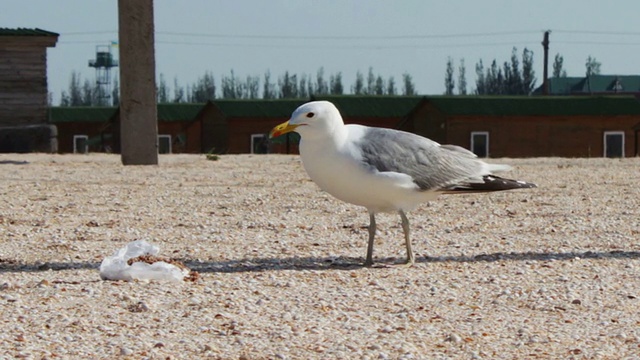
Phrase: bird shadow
(13,162)
(329,263)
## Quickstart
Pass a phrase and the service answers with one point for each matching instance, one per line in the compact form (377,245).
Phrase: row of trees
(88,93)
(288,85)
(514,77)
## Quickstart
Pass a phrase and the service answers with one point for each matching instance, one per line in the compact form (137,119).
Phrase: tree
(379,88)
(251,87)
(513,77)
(391,86)
(74,96)
(508,79)
(449,84)
(89,94)
(178,92)
(288,86)
(408,88)
(321,85)
(335,84)
(462,78)
(311,89)
(528,74)
(593,66)
(358,86)
(371,82)
(232,87)
(304,86)
(204,89)
(558,71)
(115,93)
(494,79)
(481,81)
(268,88)
(163,90)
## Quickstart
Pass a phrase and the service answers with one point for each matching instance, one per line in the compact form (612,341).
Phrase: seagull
(385,170)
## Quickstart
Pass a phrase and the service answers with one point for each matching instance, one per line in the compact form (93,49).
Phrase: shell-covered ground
(551,272)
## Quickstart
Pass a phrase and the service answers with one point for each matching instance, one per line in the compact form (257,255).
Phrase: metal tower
(103,63)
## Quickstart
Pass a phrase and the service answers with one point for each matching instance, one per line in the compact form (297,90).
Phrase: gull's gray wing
(432,166)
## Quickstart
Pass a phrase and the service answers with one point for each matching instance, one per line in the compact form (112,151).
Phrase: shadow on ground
(325,263)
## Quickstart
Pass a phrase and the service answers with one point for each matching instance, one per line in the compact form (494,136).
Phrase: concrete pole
(138,112)
(545,76)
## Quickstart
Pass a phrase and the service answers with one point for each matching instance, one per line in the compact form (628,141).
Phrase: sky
(417,37)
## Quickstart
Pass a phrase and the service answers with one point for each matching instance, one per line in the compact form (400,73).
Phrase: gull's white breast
(338,169)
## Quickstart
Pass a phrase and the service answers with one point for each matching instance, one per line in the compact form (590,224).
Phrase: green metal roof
(276,108)
(536,105)
(166,112)
(26,32)
(179,112)
(373,105)
(61,114)
(592,84)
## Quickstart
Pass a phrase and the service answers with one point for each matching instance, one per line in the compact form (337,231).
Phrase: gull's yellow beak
(282,129)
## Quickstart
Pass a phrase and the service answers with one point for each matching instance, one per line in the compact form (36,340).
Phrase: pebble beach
(545,273)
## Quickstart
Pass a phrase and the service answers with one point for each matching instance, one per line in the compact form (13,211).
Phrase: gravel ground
(550,272)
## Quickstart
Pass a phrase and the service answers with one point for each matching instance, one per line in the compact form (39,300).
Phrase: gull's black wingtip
(491,183)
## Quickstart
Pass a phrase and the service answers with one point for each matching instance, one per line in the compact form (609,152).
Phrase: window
(259,144)
(164,144)
(80,144)
(480,143)
(613,144)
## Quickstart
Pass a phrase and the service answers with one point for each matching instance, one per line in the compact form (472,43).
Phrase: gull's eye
(310,114)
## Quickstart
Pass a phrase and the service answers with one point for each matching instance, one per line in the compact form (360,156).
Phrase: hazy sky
(393,37)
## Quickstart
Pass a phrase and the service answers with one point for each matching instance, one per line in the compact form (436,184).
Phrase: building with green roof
(593,85)
(495,126)
(23,90)
(532,126)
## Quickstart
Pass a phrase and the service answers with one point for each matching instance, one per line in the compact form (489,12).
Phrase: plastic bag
(115,267)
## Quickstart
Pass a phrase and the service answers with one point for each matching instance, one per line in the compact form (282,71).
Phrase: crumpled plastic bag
(115,267)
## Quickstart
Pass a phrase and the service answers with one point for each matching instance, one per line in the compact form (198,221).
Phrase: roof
(62,114)
(179,112)
(26,32)
(592,84)
(536,105)
(276,108)
(383,106)
(166,112)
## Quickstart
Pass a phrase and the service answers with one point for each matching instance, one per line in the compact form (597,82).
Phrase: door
(614,144)
(480,143)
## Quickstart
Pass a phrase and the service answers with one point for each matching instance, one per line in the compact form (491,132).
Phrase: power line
(594,32)
(319,46)
(99,32)
(596,43)
(364,37)
(323,37)
(350,37)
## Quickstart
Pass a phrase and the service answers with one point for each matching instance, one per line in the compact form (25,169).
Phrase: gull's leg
(407,238)
(372,234)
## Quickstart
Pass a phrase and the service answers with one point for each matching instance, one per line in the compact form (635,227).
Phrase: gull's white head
(316,117)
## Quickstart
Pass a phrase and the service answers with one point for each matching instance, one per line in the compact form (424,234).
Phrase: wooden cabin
(23,90)
(84,129)
(532,126)
(243,126)
(490,126)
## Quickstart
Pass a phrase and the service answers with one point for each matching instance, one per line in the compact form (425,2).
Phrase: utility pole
(138,111)
(545,46)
